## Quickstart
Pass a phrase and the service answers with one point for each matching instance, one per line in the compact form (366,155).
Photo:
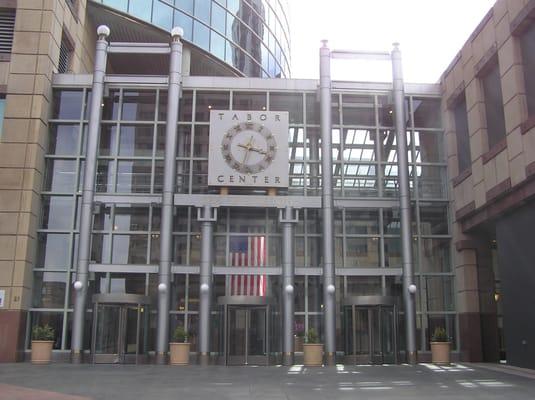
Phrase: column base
(77,357)
(288,358)
(161,358)
(412,357)
(204,359)
(330,359)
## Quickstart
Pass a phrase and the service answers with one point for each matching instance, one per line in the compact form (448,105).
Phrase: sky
(430,33)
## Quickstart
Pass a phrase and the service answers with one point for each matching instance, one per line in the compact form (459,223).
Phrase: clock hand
(258,150)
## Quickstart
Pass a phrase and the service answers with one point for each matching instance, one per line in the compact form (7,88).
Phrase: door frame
(371,304)
(248,303)
(123,301)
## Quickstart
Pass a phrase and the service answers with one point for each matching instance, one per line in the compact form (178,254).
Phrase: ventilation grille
(7,25)
(65,53)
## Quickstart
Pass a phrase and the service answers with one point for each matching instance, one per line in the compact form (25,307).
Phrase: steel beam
(327,203)
(166,230)
(405,205)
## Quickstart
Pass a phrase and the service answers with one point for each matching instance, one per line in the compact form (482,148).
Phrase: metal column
(288,271)
(88,193)
(404,204)
(205,280)
(329,304)
(166,231)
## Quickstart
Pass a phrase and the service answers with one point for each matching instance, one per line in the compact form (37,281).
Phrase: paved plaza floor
(423,381)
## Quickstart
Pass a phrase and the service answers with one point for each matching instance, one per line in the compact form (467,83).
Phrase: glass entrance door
(370,334)
(118,333)
(247,335)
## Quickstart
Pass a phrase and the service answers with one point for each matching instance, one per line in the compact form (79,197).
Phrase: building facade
(116,262)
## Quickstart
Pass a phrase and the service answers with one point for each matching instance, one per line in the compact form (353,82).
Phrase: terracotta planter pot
(440,352)
(42,351)
(179,353)
(298,343)
(313,355)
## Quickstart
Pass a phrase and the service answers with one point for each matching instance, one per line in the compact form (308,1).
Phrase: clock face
(248,148)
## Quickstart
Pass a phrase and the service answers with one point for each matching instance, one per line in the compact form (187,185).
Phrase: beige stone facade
(25,79)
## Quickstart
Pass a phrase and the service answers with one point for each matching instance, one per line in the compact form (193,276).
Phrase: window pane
(57,212)
(431,182)
(129,249)
(249,101)
(439,293)
(186,23)
(217,45)
(462,135)
(207,101)
(60,175)
(132,218)
(435,255)
(494,105)
(49,289)
(202,10)
(136,140)
(293,103)
(108,140)
(433,219)
(393,255)
(358,110)
(364,286)
(64,139)
(67,104)
(134,176)
(201,35)
(138,105)
(110,111)
(429,147)
(362,252)
(359,145)
(162,15)
(53,251)
(527,44)
(427,113)
(54,320)
(362,222)
(139,9)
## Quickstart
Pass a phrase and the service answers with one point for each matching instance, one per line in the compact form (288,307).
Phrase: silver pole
(88,193)
(404,204)
(288,270)
(166,231)
(329,304)
(205,281)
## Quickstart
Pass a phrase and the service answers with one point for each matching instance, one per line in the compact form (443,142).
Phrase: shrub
(42,332)
(312,336)
(440,335)
(180,335)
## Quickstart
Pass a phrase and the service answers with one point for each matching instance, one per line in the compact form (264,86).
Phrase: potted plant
(313,349)
(42,342)
(440,346)
(179,347)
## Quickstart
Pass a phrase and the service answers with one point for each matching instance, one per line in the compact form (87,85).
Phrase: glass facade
(127,235)
(250,35)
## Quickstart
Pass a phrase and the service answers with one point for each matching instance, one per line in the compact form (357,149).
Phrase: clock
(248,147)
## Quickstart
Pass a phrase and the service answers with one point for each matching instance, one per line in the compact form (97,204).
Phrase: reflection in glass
(53,250)
(64,139)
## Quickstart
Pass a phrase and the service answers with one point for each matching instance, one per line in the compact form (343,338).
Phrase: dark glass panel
(362,222)
(426,113)
(131,218)
(393,256)
(134,176)
(57,212)
(64,140)
(364,286)
(435,255)
(53,251)
(110,111)
(492,89)
(54,320)
(293,103)
(249,101)
(138,105)
(108,140)
(207,101)
(433,218)
(358,110)
(428,147)
(136,140)
(60,175)
(67,104)
(462,135)
(362,252)
(49,289)
(129,249)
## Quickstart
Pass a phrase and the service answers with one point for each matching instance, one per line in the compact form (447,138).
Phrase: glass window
(247,220)
(57,212)
(2,111)
(217,45)
(201,141)
(358,110)
(527,44)
(391,222)
(67,104)
(186,23)
(293,103)
(218,18)
(100,248)
(428,147)
(315,294)
(433,219)
(431,181)
(136,140)
(439,292)
(162,15)
(393,253)
(49,289)
(364,286)
(131,218)
(138,8)
(180,252)
(102,219)
(427,113)
(249,101)
(202,10)
(446,321)
(186,5)
(462,134)
(104,178)
(386,111)
(107,140)
(201,35)
(63,139)
(313,109)
(435,255)
(60,175)
(362,222)
(360,179)
(492,90)
(53,251)
(129,249)
(362,252)
(134,176)
(110,111)
(138,105)
(207,101)
(359,145)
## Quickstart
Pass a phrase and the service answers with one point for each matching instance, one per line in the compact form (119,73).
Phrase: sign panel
(248,148)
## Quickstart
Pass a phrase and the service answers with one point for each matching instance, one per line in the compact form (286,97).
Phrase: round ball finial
(103,30)
(331,289)
(289,289)
(162,287)
(177,31)
(205,288)
(78,285)
(412,288)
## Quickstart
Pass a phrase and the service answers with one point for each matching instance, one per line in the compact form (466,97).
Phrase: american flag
(248,251)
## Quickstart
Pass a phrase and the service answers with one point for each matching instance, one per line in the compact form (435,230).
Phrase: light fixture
(205,288)
(289,289)
(103,30)
(331,289)
(412,288)
(177,31)
(78,285)
(162,287)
